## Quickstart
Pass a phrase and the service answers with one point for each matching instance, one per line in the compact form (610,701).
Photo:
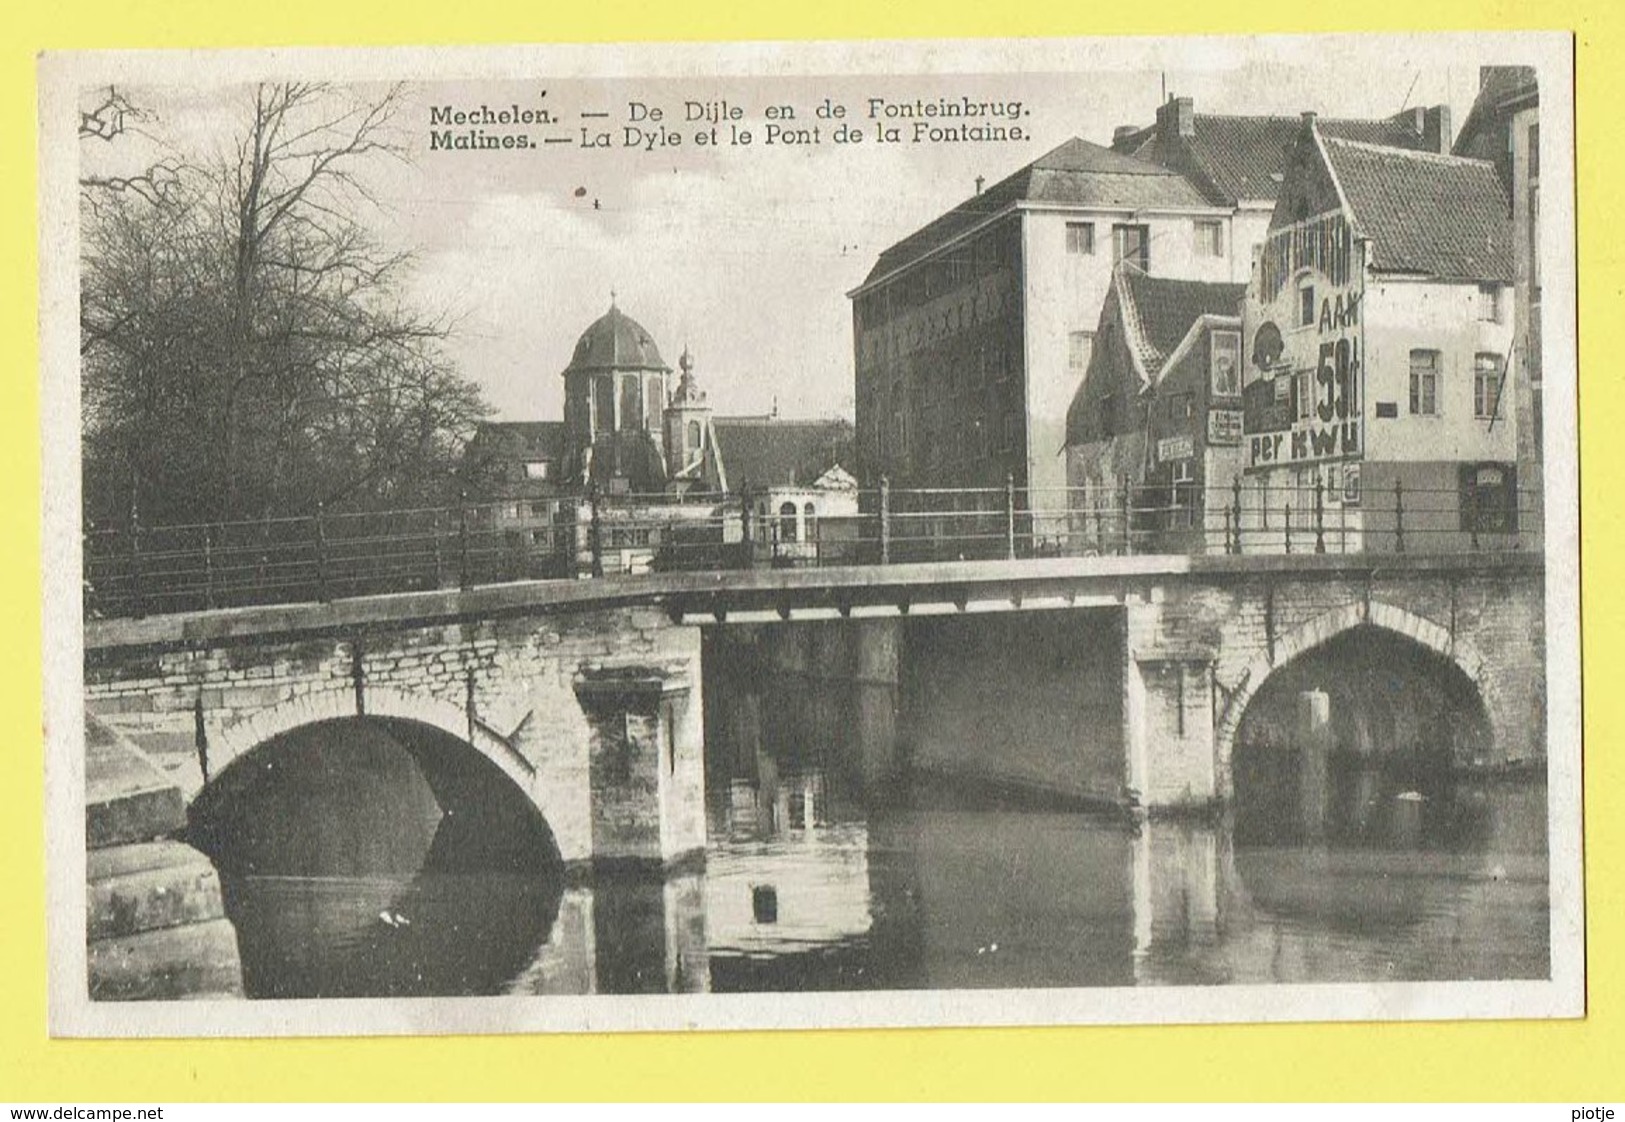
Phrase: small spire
(685,361)
(612,299)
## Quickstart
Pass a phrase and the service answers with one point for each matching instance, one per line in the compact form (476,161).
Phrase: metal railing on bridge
(135,569)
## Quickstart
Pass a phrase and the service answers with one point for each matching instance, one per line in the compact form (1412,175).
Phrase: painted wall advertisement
(1303,378)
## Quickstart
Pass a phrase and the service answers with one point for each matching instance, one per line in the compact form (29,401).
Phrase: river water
(938,888)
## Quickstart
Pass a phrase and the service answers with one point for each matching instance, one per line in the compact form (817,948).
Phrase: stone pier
(157,925)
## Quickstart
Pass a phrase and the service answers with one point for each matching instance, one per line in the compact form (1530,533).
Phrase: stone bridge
(586,695)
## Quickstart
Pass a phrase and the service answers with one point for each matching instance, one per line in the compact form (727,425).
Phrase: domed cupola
(615,341)
(616,381)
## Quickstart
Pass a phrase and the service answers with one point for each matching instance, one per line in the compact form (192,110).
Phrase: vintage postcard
(811,535)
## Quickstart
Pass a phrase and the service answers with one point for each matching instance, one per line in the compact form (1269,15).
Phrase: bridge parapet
(517,670)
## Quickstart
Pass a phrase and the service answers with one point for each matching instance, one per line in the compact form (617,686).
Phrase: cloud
(745,264)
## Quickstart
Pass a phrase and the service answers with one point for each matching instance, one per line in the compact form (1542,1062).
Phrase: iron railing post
(886,521)
(138,596)
(1229,544)
(463,575)
(1126,504)
(1320,515)
(1399,517)
(1010,516)
(208,566)
(439,554)
(320,521)
(1286,522)
(1472,519)
(746,530)
(1235,506)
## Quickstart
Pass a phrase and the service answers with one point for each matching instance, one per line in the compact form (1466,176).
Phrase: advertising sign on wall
(1303,379)
(1225,426)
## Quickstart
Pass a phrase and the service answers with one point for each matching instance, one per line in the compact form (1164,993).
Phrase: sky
(744,255)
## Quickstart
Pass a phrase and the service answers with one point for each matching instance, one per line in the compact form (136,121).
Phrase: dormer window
(538,469)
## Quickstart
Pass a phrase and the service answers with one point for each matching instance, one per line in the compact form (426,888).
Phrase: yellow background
(1568,1060)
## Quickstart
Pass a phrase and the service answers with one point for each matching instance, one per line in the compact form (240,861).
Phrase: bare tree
(246,347)
(108,118)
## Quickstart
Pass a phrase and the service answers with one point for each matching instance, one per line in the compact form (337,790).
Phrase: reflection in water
(462,933)
(814,881)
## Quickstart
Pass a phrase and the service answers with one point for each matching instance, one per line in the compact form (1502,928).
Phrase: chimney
(1177,117)
(979,181)
(1122,132)
(1309,117)
(1436,130)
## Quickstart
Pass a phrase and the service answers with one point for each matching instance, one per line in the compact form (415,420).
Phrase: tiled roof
(1235,158)
(1439,216)
(762,452)
(1500,89)
(522,440)
(1158,312)
(494,461)
(1077,173)
(615,341)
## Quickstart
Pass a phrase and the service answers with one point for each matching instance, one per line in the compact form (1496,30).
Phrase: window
(899,446)
(1209,238)
(1008,432)
(1425,383)
(1183,496)
(1132,244)
(787,522)
(694,435)
(1303,395)
(1080,346)
(1487,372)
(810,514)
(1225,364)
(603,404)
(1306,306)
(655,401)
(1489,303)
(629,402)
(538,469)
(1080,237)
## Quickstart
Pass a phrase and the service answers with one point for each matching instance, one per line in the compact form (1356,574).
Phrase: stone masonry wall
(518,672)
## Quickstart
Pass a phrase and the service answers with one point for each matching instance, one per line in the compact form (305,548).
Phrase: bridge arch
(245,735)
(489,816)
(1326,627)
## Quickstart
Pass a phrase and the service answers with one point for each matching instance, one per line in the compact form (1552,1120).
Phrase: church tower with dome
(615,396)
(591,492)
